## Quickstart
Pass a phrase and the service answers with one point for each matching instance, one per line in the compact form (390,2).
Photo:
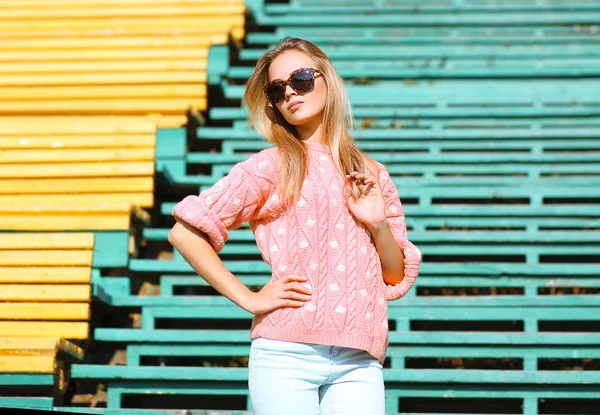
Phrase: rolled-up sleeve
(396,219)
(228,204)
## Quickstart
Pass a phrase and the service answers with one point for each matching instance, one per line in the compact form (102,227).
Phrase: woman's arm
(390,254)
(380,209)
(193,245)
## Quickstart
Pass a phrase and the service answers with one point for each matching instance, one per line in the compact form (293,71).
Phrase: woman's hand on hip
(287,291)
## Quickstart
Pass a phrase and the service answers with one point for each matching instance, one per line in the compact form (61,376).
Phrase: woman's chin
(299,119)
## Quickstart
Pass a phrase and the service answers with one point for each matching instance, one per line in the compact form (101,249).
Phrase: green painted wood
(438,308)
(460,248)
(419,376)
(508,31)
(532,199)
(304,7)
(421,221)
(24,402)
(506,93)
(454,53)
(218,63)
(416,338)
(170,143)
(151,303)
(111,249)
(224,133)
(464,216)
(395,20)
(454,68)
(133,411)
(490,268)
(440,109)
(442,350)
(529,284)
(554,238)
(416,36)
(29,379)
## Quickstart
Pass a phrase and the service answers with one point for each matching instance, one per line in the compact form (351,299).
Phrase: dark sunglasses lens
(275,92)
(302,81)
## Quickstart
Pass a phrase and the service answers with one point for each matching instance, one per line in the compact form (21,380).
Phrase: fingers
(297,287)
(293,277)
(361,177)
(294,293)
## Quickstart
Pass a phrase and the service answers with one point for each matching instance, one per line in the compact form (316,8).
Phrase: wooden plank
(167,65)
(79,208)
(103,92)
(45,257)
(28,343)
(116,43)
(198,10)
(66,221)
(150,23)
(23,141)
(46,240)
(76,155)
(66,78)
(235,26)
(75,125)
(48,4)
(77,330)
(55,345)
(114,199)
(115,105)
(47,275)
(102,55)
(91,185)
(44,311)
(111,3)
(45,292)
(24,364)
(76,170)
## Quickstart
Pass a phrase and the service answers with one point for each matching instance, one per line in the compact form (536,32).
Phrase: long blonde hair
(338,120)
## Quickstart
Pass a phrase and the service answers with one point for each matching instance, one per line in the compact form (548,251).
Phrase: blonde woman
(329,221)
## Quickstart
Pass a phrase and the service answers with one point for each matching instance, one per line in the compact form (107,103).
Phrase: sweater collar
(312,145)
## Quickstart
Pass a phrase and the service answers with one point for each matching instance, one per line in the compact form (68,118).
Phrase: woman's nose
(289,91)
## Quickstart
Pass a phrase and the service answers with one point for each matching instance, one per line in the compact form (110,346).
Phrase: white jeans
(294,378)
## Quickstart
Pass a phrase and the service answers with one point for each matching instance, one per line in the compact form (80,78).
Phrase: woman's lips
(294,105)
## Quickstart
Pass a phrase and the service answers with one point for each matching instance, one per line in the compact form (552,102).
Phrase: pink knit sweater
(316,237)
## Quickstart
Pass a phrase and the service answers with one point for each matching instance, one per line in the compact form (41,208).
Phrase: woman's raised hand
(287,291)
(370,207)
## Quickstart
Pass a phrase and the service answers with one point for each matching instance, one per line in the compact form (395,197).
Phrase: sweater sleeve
(228,204)
(396,219)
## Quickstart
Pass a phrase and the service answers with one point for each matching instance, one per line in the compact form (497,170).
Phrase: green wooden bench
(130,411)
(364,70)
(483,94)
(529,244)
(453,35)
(36,371)
(306,7)
(439,54)
(528,386)
(402,14)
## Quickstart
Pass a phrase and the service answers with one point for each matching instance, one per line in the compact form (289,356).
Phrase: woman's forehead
(287,62)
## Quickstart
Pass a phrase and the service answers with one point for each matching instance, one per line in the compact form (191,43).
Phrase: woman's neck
(311,131)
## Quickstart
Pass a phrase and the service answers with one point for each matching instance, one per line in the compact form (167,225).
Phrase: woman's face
(311,103)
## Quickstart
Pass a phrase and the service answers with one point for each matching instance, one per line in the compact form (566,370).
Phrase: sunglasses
(301,80)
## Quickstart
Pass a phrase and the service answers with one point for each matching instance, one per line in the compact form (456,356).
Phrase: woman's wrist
(376,227)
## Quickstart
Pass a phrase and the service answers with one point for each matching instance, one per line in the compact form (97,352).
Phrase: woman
(329,221)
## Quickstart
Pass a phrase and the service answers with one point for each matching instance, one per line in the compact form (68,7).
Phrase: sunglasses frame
(288,81)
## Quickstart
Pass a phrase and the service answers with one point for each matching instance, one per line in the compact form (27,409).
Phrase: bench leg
(530,406)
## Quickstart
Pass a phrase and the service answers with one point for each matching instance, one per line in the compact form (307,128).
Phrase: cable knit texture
(317,237)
